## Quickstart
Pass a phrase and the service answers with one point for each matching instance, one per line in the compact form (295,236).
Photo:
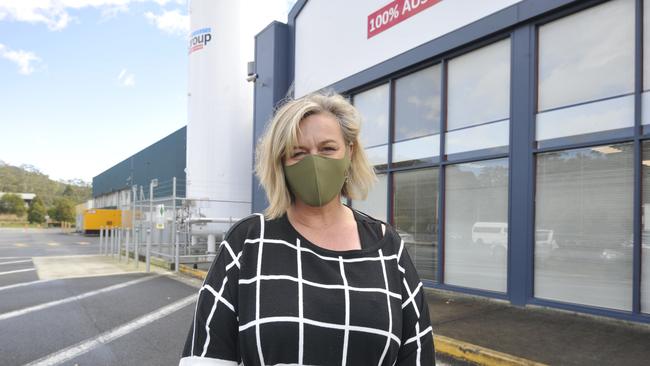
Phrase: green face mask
(316,180)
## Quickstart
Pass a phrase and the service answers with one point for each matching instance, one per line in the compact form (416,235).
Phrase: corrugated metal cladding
(163,160)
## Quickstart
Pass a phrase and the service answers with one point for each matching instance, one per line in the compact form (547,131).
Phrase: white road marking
(80,348)
(15,257)
(17,271)
(23,284)
(46,305)
(13,262)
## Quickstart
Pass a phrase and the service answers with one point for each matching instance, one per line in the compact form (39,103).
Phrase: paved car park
(61,304)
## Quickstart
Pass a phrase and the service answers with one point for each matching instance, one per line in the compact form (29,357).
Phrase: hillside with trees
(54,198)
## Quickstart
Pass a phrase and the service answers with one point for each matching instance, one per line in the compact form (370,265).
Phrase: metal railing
(165,226)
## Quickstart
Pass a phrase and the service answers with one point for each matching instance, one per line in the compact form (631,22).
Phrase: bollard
(119,244)
(112,241)
(148,250)
(101,239)
(177,253)
(136,253)
(128,238)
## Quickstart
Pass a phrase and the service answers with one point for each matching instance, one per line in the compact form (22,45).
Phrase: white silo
(220,101)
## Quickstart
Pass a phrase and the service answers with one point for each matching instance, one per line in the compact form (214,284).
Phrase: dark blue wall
(272,67)
(163,160)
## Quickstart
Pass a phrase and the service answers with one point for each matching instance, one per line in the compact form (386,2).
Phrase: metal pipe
(119,244)
(101,239)
(112,241)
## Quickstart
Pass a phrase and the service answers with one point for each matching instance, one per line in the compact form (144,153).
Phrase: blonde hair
(281,137)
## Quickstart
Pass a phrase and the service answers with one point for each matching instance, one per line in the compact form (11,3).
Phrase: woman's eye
(329,149)
(297,154)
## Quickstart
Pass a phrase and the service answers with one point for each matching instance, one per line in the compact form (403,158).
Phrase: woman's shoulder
(248,227)
(391,235)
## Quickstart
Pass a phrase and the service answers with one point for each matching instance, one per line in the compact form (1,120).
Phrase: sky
(84,84)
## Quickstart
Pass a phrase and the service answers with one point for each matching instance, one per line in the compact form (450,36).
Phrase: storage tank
(220,101)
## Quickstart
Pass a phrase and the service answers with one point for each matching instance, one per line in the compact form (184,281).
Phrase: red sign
(395,12)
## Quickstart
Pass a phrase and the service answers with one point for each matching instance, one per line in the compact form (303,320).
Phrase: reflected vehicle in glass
(624,252)
(494,234)
(545,243)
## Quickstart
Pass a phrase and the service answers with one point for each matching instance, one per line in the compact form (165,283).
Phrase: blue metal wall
(163,160)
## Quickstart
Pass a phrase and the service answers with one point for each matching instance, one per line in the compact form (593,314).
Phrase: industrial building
(162,160)
(509,136)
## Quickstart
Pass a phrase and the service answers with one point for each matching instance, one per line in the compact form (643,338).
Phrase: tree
(12,204)
(68,191)
(36,213)
(63,210)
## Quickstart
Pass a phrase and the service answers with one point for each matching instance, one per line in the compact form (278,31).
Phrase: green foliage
(62,210)
(12,204)
(36,213)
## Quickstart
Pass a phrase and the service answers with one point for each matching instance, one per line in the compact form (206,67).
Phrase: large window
(415,216)
(586,71)
(373,106)
(375,204)
(478,99)
(476,225)
(417,117)
(583,226)
(645,226)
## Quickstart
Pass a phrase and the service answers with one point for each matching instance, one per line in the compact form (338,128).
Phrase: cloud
(55,13)
(126,79)
(25,60)
(170,21)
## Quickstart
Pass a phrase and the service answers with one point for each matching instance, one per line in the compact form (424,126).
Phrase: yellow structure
(93,219)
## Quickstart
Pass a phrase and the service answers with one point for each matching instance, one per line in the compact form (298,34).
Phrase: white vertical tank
(220,101)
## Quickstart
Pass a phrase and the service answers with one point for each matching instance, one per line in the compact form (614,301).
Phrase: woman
(313,281)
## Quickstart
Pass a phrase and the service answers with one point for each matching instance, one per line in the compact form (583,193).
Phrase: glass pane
(416,149)
(373,106)
(480,137)
(583,220)
(645,107)
(375,204)
(378,155)
(479,86)
(476,225)
(605,115)
(417,104)
(646,45)
(415,216)
(586,56)
(645,237)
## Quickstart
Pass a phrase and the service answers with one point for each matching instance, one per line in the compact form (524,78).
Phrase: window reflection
(487,136)
(587,56)
(373,107)
(645,237)
(375,204)
(476,224)
(605,115)
(479,86)
(417,104)
(415,216)
(583,215)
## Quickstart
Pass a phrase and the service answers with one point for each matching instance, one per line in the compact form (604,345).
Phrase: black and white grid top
(272,297)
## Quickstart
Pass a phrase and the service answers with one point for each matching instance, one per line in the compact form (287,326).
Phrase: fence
(159,222)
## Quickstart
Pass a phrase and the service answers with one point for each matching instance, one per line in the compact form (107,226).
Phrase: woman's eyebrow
(327,142)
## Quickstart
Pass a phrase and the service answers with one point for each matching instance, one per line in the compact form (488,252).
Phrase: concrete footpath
(491,332)
(471,330)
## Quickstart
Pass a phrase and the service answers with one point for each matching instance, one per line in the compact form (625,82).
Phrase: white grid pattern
(300,319)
